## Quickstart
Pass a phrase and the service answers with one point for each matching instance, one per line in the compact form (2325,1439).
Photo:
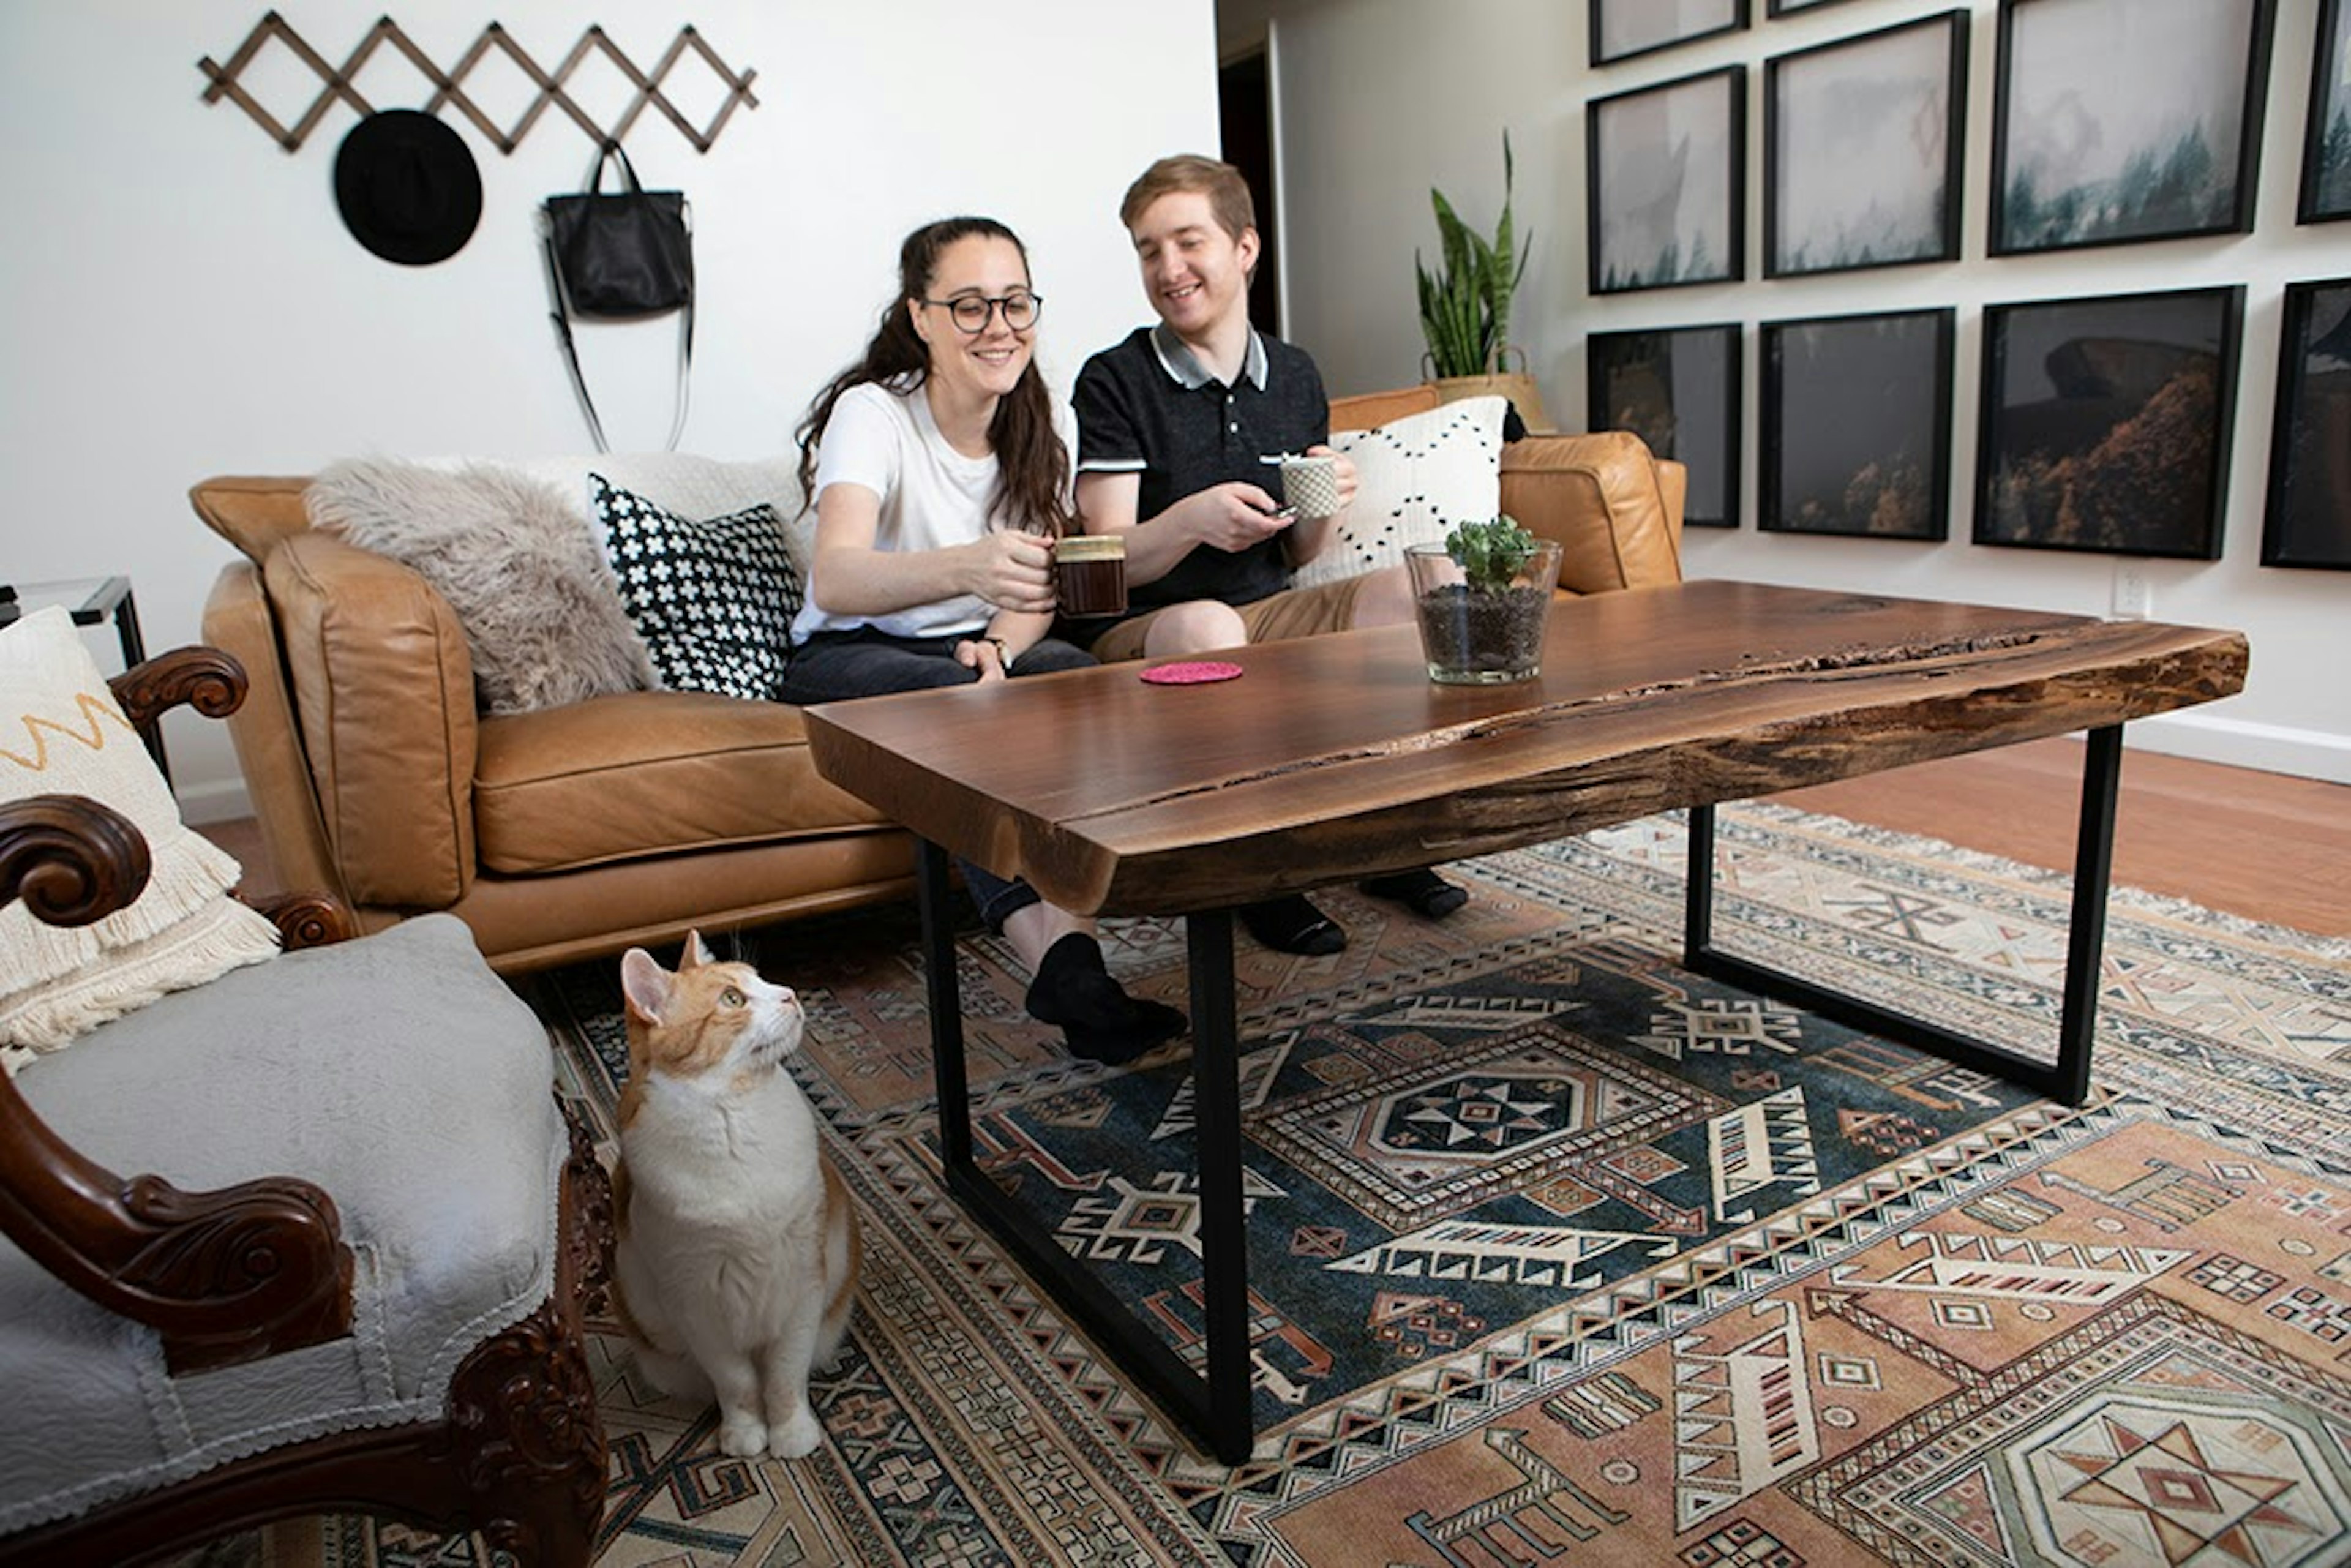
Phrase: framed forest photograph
(2115,122)
(1622,29)
(1676,388)
(1665,183)
(1863,141)
(2105,423)
(1856,425)
(2309,519)
(2326,145)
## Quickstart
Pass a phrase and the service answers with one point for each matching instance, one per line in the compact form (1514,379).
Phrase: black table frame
(1213,1403)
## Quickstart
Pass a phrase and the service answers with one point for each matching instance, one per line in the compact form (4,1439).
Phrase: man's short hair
(1226,190)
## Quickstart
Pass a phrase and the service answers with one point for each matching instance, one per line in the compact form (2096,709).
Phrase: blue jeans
(837,666)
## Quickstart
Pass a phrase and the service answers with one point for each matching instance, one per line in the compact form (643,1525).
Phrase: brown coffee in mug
(1093,574)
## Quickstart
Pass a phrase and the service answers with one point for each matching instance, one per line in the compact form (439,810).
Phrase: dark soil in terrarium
(1500,632)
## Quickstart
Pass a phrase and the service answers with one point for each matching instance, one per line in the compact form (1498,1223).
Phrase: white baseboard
(220,800)
(2266,747)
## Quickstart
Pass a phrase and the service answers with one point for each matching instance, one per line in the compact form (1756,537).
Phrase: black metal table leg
(1224,1226)
(2068,1078)
(1214,1409)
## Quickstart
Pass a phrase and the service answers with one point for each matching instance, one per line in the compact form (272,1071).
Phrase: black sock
(1073,989)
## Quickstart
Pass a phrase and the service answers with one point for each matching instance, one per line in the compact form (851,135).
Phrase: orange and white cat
(736,1260)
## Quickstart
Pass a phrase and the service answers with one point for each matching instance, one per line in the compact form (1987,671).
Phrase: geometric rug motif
(1558,1253)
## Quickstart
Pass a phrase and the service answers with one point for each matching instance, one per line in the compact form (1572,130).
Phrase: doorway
(1245,112)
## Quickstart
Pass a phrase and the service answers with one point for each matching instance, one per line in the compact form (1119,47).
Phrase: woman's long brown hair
(1034,466)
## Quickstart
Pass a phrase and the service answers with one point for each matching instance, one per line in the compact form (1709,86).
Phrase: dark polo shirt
(1148,407)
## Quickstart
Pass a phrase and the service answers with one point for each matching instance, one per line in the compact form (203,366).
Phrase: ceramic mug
(1311,485)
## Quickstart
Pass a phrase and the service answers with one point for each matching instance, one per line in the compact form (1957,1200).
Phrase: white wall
(184,299)
(1379,99)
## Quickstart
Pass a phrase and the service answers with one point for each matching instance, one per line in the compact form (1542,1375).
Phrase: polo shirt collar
(1185,369)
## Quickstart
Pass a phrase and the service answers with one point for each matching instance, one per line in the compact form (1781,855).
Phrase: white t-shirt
(932,495)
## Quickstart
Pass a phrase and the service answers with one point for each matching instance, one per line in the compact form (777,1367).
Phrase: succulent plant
(1491,553)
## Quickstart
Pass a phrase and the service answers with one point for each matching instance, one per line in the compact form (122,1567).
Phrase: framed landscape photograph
(1856,425)
(1863,141)
(2115,122)
(1665,183)
(1623,29)
(2326,145)
(2105,423)
(2309,520)
(1677,389)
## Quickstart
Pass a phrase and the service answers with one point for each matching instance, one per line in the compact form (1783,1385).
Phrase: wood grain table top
(1334,757)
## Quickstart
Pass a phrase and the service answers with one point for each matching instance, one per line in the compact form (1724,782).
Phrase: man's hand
(1231,517)
(1012,570)
(1342,469)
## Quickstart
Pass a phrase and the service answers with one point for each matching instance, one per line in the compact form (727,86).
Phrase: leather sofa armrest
(383,691)
(1604,498)
(1673,478)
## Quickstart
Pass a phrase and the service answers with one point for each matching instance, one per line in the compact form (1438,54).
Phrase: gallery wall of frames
(2102,424)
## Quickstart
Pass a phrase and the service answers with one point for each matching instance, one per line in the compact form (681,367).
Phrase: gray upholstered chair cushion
(397,1073)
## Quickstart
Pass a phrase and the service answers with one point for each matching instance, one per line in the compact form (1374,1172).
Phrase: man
(1179,427)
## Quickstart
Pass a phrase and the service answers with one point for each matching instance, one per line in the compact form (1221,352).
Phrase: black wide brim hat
(408,187)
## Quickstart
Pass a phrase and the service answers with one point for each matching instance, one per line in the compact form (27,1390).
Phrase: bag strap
(562,316)
(608,153)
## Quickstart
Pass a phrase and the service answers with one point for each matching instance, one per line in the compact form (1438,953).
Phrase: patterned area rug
(1560,1254)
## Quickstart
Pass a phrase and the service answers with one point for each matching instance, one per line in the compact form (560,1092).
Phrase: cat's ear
(645,985)
(696,953)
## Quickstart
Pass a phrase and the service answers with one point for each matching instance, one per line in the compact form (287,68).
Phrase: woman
(939,483)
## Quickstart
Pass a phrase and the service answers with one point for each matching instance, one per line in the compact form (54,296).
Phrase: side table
(94,601)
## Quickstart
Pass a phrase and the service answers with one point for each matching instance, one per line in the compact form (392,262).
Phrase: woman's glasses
(971,312)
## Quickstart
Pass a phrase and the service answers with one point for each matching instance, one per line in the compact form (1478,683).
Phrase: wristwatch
(1003,653)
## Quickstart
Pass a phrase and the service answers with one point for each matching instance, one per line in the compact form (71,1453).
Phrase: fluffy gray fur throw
(521,568)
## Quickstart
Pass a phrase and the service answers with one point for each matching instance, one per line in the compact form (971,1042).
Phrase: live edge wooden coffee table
(1332,759)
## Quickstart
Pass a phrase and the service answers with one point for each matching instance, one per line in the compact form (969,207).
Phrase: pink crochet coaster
(1191,673)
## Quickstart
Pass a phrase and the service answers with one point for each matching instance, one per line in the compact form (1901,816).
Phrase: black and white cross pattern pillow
(714,600)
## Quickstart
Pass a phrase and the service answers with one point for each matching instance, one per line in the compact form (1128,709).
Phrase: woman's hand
(985,654)
(1012,570)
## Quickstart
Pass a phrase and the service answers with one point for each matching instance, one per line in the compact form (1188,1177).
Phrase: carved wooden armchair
(389,1323)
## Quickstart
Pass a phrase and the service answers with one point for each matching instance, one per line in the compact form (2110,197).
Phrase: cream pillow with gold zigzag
(62,733)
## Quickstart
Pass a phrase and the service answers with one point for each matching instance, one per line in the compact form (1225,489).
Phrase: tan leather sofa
(577,831)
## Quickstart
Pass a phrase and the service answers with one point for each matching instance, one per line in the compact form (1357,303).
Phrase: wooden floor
(2263,845)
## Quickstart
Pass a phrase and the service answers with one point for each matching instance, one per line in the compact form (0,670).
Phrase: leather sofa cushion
(647,773)
(1608,475)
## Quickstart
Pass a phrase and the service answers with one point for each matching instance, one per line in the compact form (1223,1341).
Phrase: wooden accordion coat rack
(449,87)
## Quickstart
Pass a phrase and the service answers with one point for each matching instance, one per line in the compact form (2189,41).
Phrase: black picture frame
(1627,30)
(1796,7)
(2326,141)
(1678,388)
(2308,522)
(2121,122)
(1665,183)
(2105,423)
(1864,148)
(1856,425)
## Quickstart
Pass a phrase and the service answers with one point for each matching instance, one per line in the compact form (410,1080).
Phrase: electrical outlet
(2134,599)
